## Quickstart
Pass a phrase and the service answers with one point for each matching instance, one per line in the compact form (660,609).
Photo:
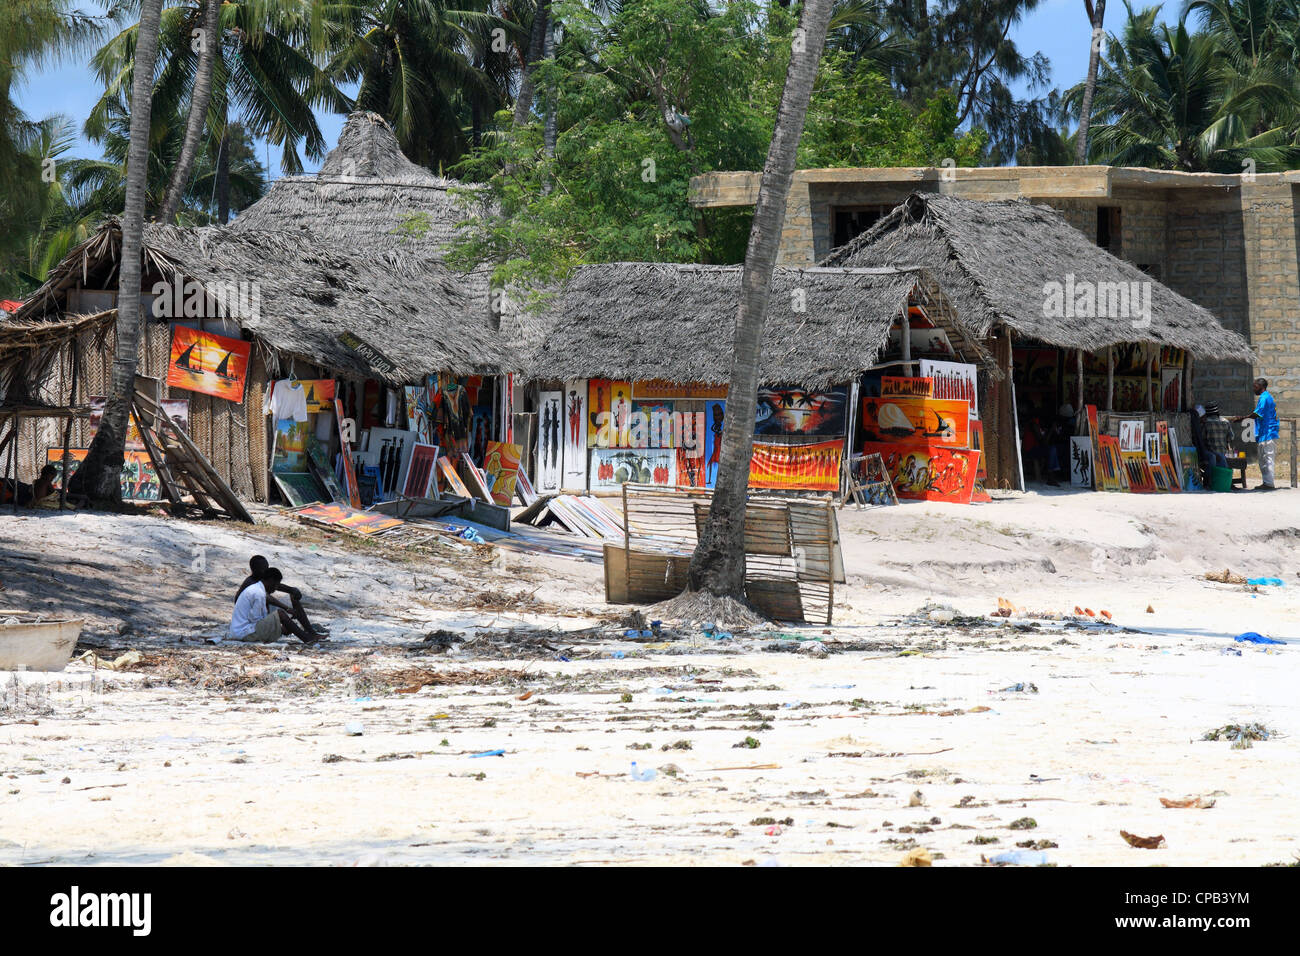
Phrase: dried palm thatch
(995,258)
(368,193)
(647,320)
(302,294)
(30,348)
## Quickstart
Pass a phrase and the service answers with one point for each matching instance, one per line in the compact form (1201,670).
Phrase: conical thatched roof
(995,260)
(646,320)
(367,192)
(307,292)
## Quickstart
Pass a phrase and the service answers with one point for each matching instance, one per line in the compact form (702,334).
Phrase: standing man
(1217,433)
(1265,415)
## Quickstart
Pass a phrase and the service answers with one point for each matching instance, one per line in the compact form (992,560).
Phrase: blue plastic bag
(1250,637)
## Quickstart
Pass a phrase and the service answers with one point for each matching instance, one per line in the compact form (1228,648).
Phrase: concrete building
(1230,243)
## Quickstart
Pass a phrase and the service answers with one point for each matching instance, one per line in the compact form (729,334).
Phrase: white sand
(1115,725)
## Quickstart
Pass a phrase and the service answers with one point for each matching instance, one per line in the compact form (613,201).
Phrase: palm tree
(264,73)
(1096,17)
(1171,99)
(208,40)
(98,186)
(414,61)
(99,475)
(718,564)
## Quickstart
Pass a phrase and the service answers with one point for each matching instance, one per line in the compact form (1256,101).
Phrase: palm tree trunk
(537,38)
(99,476)
(718,565)
(199,100)
(1095,17)
(548,52)
(223,176)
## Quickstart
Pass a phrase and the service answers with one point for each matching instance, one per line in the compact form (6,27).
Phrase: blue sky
(1058,28)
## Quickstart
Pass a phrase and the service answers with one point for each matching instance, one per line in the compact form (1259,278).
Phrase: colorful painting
(451,479)
(177,409)
(1081,461)
(612,467)
(715,414)
(1191,465)
(362,522)
(420,471)
(798,411)
(813,467)
(929,420)
(345,455)
(550,441)
(1130,435)
(929,472)
(652,426)
(502,466)
(208,363)
(1109,467)
(1171,389)
(609,404)
(320,394)
(897,386)
(575,434)
(954,381)
(474,479)
(1151,445)
(653,390)
(1137,472)
(290,453)
(415,400)
(139,479)
(690,468)
(1169,463)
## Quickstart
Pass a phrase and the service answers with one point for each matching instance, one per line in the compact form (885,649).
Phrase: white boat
(38,645)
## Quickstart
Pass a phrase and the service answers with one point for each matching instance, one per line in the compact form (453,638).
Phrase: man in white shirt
(261,619)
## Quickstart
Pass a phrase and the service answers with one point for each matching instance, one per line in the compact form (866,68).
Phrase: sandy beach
(917,720)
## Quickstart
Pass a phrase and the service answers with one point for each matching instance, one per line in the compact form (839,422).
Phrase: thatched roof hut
(996,259)
(301,294)
(646,320)
(368,193)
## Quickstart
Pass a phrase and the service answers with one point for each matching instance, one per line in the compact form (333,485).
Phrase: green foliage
(856,119)
(653,93)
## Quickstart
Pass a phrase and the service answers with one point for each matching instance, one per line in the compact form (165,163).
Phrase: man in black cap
(1217,432)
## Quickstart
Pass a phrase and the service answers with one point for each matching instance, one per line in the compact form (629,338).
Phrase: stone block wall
(1268,212)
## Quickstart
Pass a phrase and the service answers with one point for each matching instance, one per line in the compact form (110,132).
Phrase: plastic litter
(1021,858)
(632,634)
(1252,637)
(617,655)
(354,729)
(1267,582)
(712,633)
(646,773)
(489,753)
(1024,687)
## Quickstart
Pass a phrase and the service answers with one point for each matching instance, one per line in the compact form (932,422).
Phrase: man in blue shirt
(1265,415)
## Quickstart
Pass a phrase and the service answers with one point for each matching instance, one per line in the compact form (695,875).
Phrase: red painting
(208,363)
(927,472)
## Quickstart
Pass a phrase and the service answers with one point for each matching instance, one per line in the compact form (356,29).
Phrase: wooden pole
(906,329)
(1150,362)
(1078,408)
(67,429)
(1110,378)
(1188,404)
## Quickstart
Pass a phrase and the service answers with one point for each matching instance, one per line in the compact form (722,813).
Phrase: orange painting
(208,363)
(797,467)
(501,462)
(929,472)
(902,419)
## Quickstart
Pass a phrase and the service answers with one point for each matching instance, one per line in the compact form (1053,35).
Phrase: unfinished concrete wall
(1206,250)
(1268,212)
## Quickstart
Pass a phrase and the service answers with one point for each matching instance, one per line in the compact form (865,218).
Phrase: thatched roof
(307,293)
(645,320)
(995,258)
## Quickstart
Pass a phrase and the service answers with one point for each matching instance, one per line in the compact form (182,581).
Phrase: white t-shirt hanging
(288,400)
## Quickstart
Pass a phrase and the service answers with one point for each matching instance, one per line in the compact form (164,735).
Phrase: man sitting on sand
(259,565)
(260,619)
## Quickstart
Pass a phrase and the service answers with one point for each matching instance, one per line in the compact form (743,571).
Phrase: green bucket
(1220,478)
